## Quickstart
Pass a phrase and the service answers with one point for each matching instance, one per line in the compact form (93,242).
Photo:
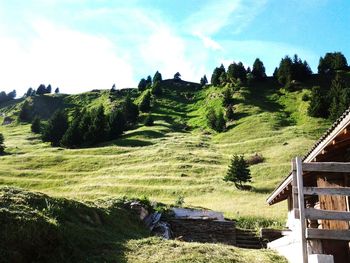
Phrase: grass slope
(177,156)
(38,228)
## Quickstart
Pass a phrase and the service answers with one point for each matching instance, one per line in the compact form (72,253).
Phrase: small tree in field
(238,171)
(2,146)
(36,125)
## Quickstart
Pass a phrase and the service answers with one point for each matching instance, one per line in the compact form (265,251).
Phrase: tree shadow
(259,95)
(262,190)
(145,133)
(122,142)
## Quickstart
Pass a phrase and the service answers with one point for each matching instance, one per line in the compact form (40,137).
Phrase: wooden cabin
(324,185)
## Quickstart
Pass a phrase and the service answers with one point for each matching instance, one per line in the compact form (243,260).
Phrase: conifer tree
(238,171)
(36,125)
(142,85)
(2,146)
(156,88)
(318,105)
(258,70)
(56,128)
(74,136)
(227,97)
(98,129)
(177,76)
(204,81)
(157,77)
(145,104)
(130,111)
(229,113)
(25,113)
(116,124)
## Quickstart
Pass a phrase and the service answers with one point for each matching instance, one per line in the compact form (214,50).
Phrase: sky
(79,45)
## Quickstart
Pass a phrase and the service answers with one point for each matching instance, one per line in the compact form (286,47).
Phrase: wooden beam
(344,191)
(337,167)
(315,214)
(314,233)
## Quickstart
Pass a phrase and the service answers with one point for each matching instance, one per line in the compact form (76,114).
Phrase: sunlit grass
(166,161)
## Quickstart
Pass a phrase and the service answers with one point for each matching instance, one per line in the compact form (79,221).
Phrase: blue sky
(79,45)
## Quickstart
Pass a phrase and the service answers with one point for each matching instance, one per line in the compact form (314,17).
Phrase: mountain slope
(179,155)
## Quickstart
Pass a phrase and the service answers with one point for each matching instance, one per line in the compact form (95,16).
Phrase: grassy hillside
(178,156)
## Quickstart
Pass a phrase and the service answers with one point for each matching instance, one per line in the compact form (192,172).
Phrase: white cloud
(72,60)
(208,42)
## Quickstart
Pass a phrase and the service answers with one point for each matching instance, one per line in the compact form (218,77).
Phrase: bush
(255,159)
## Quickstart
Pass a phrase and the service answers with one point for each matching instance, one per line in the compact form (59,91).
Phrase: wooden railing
(303,213)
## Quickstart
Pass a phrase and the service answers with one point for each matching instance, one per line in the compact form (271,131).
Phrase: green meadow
(178,156)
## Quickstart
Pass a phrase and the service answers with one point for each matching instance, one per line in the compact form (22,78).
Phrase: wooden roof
(340,127)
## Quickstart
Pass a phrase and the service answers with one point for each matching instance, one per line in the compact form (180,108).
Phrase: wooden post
(301,203)
(295,191)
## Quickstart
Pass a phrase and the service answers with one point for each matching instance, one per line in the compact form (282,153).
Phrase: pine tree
(130,111)
(48,89)
(57,90)
(149,81)
(156,88)
(98,129)
(25,113)
(116,124)
(238,171)
(204,81)
(142,85)
(157,77)
(74,136)
(177,76)
(145,104)
(2,146)
(258,70)
(227,97)
(229,113)
(56,128)
(36,125)
(318,105)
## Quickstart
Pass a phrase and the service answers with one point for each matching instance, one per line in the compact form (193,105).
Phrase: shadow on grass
(130,143)
(145,133)
(82,232)
(258,95)
(262,190)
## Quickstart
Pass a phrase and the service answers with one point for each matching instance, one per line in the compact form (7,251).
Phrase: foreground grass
(38,228)
(181,252)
